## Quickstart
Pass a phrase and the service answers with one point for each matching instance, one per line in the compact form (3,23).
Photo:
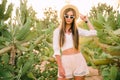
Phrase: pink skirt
(74,65)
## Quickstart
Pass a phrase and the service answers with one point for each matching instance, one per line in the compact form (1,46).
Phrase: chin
(69,23)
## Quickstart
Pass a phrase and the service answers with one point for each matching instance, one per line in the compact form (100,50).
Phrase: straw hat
(69,6)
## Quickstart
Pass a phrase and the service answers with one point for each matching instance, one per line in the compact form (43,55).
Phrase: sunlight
(84,6)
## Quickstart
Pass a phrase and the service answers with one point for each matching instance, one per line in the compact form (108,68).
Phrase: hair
(73,29)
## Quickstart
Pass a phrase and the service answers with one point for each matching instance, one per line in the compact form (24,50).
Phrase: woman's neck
(68,28)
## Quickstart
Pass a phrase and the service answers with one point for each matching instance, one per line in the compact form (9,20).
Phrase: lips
(68,21)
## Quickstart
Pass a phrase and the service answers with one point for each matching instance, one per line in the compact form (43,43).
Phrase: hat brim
(69,6)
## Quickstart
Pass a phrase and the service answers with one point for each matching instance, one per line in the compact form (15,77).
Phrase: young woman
(70,61)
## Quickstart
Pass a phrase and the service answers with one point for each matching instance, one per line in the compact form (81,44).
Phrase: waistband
(70,51)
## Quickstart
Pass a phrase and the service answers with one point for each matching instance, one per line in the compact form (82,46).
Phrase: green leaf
(113,72)
(100,18)
(97,24)
(21,48)
(20,61)
(32,35)
(5,58)
(27,66)
(111,21)
(30,75)
(25,30)
(5,75)
(7,35)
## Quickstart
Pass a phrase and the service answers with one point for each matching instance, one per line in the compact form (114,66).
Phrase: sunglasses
(70,17)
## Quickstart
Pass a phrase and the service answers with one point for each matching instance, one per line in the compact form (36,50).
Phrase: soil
(93,75)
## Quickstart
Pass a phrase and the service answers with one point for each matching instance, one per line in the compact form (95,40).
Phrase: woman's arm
(83,32)
(86,20)
(57,54)
(60,67)
(89,24)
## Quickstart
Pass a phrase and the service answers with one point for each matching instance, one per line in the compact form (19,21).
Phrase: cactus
(107,22)
(24,37)
(105,48)
(5,14)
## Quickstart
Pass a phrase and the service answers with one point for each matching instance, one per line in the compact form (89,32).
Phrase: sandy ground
(93,75)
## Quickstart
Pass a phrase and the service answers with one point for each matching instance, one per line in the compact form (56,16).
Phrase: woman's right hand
(83,17)
(61,72)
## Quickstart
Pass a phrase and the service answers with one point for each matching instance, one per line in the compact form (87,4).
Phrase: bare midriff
(70,51)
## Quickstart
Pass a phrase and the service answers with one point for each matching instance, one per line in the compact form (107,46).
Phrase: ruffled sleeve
(56,47)
(83,32)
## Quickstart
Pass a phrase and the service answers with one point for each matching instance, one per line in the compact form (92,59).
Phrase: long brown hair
(73,29)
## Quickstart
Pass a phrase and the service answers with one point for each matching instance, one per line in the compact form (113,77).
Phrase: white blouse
(68,39)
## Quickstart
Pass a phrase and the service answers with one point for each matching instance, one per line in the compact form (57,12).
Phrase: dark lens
(66,16)
(71,17)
